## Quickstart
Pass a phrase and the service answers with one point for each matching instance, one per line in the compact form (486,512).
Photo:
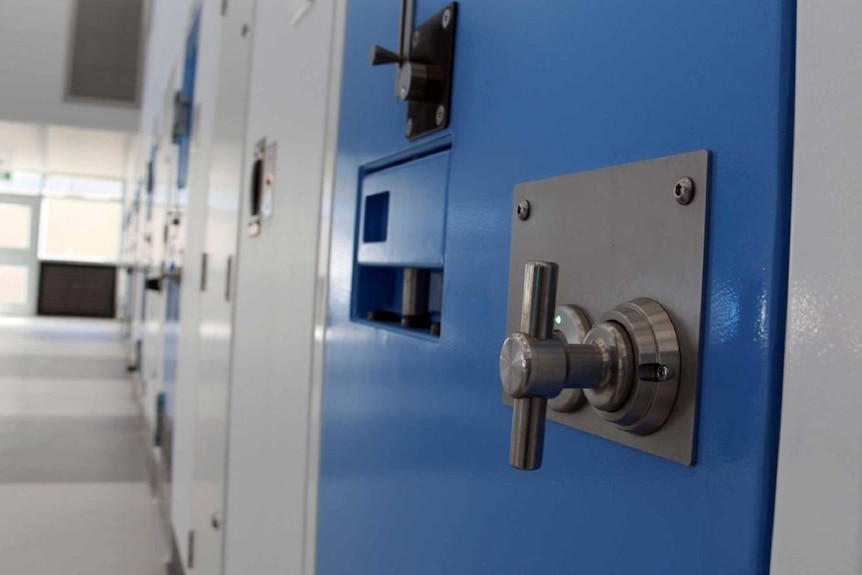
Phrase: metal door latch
(262,184)
(182,110)
(424,64)
(626,367)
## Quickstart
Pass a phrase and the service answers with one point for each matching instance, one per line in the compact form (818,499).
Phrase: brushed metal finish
(627,365)
(528,433)
(540,293)
(531,367)
(537,320)
(618,234)
(654,341)
(617,375)
(570,323)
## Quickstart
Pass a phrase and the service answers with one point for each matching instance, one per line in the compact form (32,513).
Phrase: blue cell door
(414,475)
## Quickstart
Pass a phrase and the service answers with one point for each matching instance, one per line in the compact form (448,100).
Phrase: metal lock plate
(619,234)
(433,45)
(261,189)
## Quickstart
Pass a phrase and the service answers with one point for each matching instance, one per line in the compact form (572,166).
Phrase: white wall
(818,512)
(34,41)
(268,526)
(65,150)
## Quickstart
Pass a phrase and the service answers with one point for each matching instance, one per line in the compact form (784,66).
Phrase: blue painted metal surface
(414,471)
(188,90)
(416,214)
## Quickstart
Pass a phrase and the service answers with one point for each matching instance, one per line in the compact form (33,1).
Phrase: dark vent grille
(105,50)
(81,290)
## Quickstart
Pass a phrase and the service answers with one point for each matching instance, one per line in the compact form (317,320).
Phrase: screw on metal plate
(415,39)
(409,129)
(440,117)
(683,191)
(447,18)
(523,210)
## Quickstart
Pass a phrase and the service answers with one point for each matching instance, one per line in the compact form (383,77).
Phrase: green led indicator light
(558,319)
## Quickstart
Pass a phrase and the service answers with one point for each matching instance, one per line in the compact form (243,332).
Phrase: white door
(293,102)
(19,265)
(215,336)
(817,526)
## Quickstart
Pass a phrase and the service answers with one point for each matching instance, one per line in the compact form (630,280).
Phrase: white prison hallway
(427,287)
(74,489)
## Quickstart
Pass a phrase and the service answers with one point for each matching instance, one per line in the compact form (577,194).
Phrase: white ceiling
(61,149)
(34,42)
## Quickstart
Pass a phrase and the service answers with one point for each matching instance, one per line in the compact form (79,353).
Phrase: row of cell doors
(19,269)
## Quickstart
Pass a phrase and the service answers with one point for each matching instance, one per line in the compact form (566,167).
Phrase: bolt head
(683,191)
(523,210)
(415,38)
(440,116)
(447,18)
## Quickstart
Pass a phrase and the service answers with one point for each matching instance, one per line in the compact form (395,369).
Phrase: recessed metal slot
(401,298)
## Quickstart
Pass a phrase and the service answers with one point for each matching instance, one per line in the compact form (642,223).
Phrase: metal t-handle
(382,56)
(537,320)
(627,365)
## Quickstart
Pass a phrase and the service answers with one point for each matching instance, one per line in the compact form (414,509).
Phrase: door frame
(818,500)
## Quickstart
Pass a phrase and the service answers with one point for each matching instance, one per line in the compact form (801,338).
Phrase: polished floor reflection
(73,480)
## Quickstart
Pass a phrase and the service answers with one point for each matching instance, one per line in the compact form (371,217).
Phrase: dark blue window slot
(376,217)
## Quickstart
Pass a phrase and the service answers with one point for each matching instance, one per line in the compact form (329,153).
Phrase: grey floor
(74,497)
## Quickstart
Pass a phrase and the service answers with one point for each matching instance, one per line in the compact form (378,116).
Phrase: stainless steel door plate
(620,234)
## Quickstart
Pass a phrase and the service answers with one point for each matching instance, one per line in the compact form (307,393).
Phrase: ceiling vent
(105,51)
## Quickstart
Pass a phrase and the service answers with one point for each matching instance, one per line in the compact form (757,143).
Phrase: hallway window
(21,183)
(14,226)
(80,230)
(13,284)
